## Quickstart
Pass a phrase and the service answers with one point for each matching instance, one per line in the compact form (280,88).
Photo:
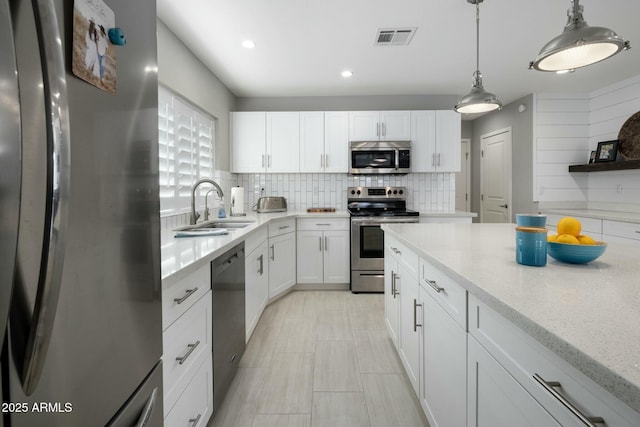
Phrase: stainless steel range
(370,207)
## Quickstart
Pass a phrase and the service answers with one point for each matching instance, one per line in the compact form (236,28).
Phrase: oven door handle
(372,221)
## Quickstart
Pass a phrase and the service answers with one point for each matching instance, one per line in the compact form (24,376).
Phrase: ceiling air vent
(394,36)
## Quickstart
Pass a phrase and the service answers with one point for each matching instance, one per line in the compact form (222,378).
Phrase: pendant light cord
(478,36)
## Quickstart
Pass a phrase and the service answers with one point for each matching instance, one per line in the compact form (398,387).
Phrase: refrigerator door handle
(148,409)
(58,170)
(10,163)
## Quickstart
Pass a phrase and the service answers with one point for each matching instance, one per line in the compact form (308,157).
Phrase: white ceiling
(303,45)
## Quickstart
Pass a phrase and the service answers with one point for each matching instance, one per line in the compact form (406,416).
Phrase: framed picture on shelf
(607,151)
(592,157)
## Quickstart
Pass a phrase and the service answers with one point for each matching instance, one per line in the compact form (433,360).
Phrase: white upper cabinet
(265,142)
(336,142)
(324,141)
(379,126)
(283,142)
(248,136)
(435,141)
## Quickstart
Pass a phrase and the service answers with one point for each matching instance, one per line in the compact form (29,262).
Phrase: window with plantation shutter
(186,147)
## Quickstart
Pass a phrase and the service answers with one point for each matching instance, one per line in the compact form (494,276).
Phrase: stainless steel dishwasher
(227,283)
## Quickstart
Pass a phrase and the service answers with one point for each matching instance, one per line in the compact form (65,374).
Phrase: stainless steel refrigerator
(80,288)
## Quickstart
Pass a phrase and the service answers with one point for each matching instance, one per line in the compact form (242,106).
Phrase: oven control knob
(358,191)
(389,192)
(353,191)
(395,191)
(401,191)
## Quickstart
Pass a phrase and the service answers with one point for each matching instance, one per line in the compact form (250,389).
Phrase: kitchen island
(585,314)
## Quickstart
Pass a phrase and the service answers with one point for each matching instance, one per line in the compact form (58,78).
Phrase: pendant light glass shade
(478,100)
(579,44)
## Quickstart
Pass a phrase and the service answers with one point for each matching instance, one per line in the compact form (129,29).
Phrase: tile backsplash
(427,192)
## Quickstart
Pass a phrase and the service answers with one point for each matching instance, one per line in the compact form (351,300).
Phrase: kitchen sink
(214,224)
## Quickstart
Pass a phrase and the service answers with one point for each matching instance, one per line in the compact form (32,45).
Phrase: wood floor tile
(282,420)
(391,402)
(260,347)
(339,410)
(297,335)
(288,385)
(333,325)
(336,367)
(239,405)
(376,353)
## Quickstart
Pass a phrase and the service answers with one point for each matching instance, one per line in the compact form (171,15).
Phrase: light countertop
(597,214)
(587,314)
(182,256)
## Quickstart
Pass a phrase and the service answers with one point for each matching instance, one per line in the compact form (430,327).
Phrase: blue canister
(531,246)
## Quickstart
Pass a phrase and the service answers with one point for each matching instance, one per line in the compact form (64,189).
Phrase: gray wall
(182,72)
(348,103)
(521,155)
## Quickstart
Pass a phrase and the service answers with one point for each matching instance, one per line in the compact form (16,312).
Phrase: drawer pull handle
(282,227)
(415,315)
(261,261)
(395,285)
(549,387)
(324,224)
(189,292)
(396,251)
(194,421)
(184,358)
(434,285)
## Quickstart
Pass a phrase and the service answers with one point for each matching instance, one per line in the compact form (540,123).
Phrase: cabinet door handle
(189,292)
(273,253)
(415,315)
(320,242)
(504,206)
(434,285)
(263,160)
(326,160)
(377,129)
(438,159)
(261,261)
(326,244)
(194,421)
(321,160)
(433,159)
(384,129)
(184,358)
(549,387)
(395,285)
(269,159)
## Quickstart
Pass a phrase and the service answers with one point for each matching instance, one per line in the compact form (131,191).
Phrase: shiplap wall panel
(561,139)
(610,108)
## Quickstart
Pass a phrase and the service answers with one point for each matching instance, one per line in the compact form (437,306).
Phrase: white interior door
(495,193)
(463,178)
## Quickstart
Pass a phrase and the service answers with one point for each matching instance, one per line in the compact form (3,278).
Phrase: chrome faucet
(195,215)
(206,209)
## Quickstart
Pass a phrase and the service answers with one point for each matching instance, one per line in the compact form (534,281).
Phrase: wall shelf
(606,166)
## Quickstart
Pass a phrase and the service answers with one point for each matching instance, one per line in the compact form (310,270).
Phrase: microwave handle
(397,159)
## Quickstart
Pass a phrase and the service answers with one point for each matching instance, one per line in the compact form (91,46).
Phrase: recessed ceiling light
(248,44)
(347,74)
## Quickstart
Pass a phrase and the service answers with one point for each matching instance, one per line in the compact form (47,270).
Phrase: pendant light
(579,44)
(478,100)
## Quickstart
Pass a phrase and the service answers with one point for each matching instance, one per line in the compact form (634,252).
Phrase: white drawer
(322,223)
(450,295)
(524,358)
(282,226)
(183,295)
(196,402)
(404,255)
(255,239)
(627,230)
(185,344)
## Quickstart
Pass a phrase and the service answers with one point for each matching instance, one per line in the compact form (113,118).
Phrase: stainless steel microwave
(379,157)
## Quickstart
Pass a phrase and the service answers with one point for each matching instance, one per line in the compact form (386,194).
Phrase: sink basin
(216,224)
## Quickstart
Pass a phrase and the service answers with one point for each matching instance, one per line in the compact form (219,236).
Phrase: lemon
(569,225)
(552,237)
(567,238)
(586,240)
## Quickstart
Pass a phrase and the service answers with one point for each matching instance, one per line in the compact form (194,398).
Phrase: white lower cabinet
(496,399)
(186,355)
(391,300)
(409,341)
(256,285)
(323,250)
(282,256)
(444,360)
(195,405)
